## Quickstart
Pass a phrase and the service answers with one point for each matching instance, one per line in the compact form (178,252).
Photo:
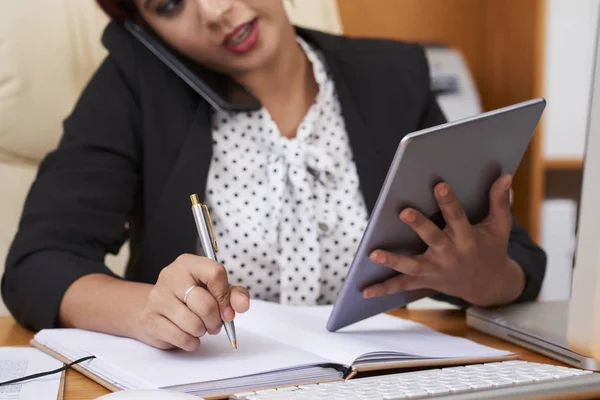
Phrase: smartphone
(212,86)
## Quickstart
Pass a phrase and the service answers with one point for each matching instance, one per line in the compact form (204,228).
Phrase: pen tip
(234,344)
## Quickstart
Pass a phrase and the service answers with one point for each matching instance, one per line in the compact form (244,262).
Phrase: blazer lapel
(172,231)
(368,160)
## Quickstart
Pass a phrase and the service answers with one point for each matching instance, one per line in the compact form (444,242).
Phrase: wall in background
(315,14)
(571,28)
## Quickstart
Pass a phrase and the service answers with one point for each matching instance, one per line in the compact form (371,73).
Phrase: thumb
(500,217)
(240,299)
(214,277)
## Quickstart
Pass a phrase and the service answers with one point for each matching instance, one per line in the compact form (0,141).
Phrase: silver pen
(209,245)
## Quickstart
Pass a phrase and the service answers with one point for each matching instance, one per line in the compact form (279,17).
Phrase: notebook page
(304,327)
(214,360)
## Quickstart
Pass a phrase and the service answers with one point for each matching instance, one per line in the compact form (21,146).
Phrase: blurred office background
(484,54)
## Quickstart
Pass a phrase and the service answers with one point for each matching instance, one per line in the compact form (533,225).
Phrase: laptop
(541,327)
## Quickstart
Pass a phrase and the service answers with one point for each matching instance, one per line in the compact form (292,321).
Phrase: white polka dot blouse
(288,213)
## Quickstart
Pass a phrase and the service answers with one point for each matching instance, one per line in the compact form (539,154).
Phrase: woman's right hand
(167,322)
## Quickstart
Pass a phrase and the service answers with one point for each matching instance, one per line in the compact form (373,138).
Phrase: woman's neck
(286,86)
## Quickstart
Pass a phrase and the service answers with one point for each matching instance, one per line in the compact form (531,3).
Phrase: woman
(290,186)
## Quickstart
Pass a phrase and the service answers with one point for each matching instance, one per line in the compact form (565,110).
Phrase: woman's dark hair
(119,9)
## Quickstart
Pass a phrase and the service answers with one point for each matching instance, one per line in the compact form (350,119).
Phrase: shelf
(563,164)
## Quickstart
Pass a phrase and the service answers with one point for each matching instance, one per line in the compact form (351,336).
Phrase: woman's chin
(255,62)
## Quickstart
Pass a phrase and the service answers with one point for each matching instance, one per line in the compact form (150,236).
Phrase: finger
(433,236)
(500,217)
(453,212)
(240,299)
(401,263)
(167,331)
(214,276)
(393,285)
(183,317)
(205,306)
(159,344)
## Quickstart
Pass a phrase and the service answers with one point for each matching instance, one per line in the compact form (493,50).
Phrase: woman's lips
(243,38)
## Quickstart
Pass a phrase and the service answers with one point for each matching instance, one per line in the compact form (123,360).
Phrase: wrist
(104,303)
(130,319)
(507,287)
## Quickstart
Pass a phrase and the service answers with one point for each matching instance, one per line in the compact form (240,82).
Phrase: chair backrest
(48,50)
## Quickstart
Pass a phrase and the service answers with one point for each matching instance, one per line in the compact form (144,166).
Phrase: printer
(452,83)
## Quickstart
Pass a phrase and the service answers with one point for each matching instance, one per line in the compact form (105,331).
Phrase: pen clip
(213,237)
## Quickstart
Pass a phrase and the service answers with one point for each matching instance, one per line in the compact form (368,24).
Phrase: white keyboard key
(409,388)
(430,385)
(344,397)
(417,394)
(542,377)
(523,379)
(502,382)
(399,396)
(578,372)
(388,385)
(481,385)
(438,391)
(328,388)
(447,379)
(322,397)
(561,374)
(459,388)
(389,392)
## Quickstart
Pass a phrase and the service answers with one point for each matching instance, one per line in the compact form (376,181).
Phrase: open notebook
(278,346)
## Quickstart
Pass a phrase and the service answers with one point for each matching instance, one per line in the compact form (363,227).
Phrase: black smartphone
(212,86)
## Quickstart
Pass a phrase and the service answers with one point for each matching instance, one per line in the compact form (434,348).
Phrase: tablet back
(469,155)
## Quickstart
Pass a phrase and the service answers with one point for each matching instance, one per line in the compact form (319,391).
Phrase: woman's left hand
(463,260)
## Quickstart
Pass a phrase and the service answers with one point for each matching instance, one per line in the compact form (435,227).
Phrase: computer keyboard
(501,380)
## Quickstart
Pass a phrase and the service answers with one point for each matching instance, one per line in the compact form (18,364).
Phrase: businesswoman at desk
(289,184)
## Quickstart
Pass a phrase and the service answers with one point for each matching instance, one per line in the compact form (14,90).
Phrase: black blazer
(138,143)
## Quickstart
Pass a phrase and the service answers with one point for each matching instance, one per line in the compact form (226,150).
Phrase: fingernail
(228,314)
(370,293)
(378,256)
(508,184)
(443,190)
(408,216)
(244,294)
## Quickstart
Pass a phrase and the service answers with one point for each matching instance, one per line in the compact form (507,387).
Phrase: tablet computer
(469,155)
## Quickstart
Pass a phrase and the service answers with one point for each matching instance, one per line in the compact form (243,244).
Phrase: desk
(452,322)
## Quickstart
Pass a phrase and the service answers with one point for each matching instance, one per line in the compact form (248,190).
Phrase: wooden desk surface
(451,322)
